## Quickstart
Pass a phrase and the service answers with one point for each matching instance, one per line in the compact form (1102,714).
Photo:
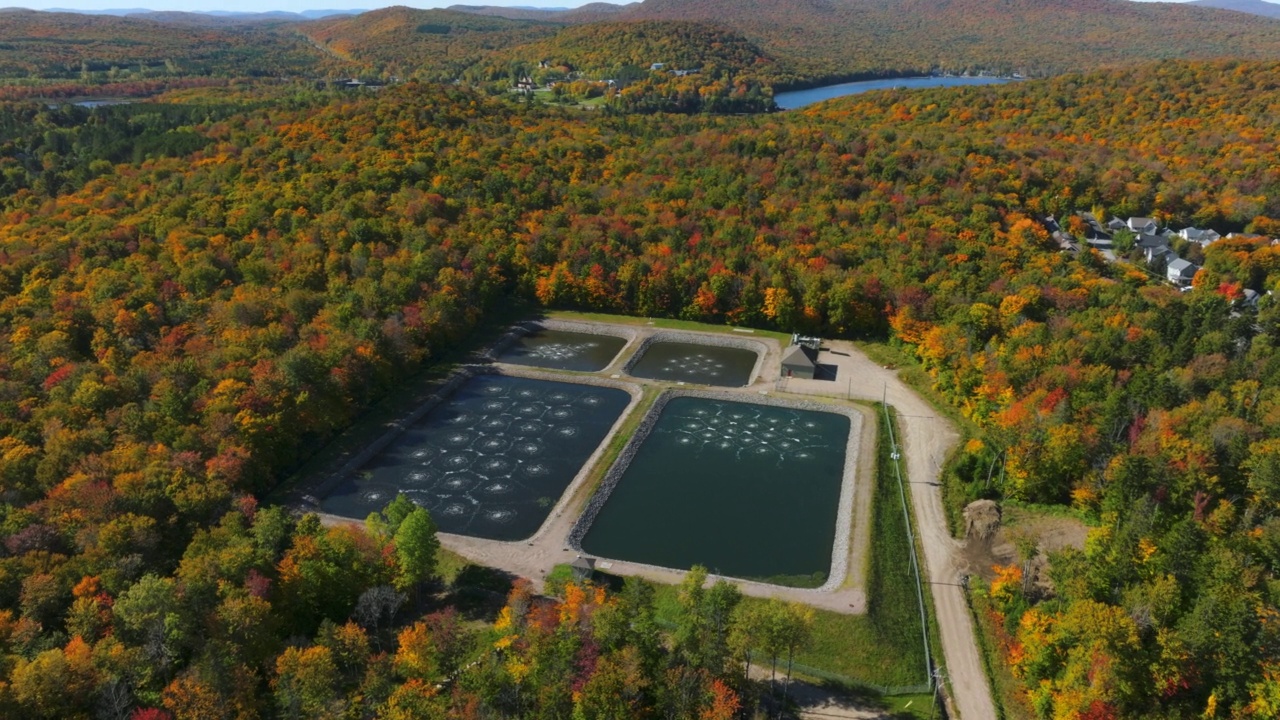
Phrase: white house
(1180,272)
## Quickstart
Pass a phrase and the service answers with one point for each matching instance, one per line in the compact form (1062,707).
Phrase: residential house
(657,66)
(1195,235)
(1142,225)
(1152,246)
(1116,224)
(1180,272)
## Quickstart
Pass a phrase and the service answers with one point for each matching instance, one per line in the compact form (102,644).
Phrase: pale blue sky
(264,5)
(289,5)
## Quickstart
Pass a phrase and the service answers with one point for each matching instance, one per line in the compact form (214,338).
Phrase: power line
(906,516)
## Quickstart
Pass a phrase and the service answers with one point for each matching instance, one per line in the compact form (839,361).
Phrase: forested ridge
(749,49)
(44,46)
(179,328)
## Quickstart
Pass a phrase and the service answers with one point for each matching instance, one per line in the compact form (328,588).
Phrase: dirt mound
(981,531)
(981,521)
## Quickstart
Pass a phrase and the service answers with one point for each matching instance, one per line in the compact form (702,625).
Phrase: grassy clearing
(892,603)
(449,564)
(667,324)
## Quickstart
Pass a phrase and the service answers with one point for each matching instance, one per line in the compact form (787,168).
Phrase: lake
(801,98)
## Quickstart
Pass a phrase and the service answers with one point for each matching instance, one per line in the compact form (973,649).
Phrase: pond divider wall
(711,340)
(844,516)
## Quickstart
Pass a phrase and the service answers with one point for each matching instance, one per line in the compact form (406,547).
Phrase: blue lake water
(800,98)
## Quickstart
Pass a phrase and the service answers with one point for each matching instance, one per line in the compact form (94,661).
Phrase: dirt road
(926,439)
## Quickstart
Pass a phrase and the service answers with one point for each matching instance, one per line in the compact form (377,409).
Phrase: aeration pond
(491,460)
(564,350)
(695,363)
(749,490)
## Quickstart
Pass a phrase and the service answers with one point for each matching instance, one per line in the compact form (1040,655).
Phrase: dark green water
(693,363)
(492,460)
(750,491)
(564,350)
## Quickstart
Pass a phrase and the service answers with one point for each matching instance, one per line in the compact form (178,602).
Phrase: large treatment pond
(564,350)
(750,491)
(492,460)
(695,363)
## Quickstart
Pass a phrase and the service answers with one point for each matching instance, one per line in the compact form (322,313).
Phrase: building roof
(1147,240)
(1179,265)
(796,356)
(1140,222)
(583,563)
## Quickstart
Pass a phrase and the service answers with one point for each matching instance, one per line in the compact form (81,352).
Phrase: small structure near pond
(799,361)
(583,568)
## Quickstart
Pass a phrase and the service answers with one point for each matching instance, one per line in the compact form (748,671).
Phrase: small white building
(1180,272)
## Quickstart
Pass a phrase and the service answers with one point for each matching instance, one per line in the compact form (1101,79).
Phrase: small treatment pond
(695,363)
(564,350)
(492,460)
(750,491)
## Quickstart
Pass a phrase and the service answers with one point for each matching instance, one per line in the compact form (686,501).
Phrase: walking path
(926,438)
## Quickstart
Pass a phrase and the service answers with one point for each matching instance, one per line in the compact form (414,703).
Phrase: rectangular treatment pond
(491,460)
(696,363)
(748,490)
(564,350)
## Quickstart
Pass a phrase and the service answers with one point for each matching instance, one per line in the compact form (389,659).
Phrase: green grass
(892,603)
(449,564)
(667,324)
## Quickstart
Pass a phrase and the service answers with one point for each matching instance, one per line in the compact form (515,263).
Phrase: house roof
(1179,265)
(582,563)
(1137,222)
(796,356)
(1148,240)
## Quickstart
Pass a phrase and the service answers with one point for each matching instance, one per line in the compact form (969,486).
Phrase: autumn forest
(200,288)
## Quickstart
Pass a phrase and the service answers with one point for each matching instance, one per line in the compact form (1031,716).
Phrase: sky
(288,5)
(264,5)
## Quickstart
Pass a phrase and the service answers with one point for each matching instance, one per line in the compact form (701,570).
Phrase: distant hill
(1253,7)
(434,44)
(275,14)
(828,38)
(1038,37)
(231,19)
(601,49)
(82,47)
(591,12)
